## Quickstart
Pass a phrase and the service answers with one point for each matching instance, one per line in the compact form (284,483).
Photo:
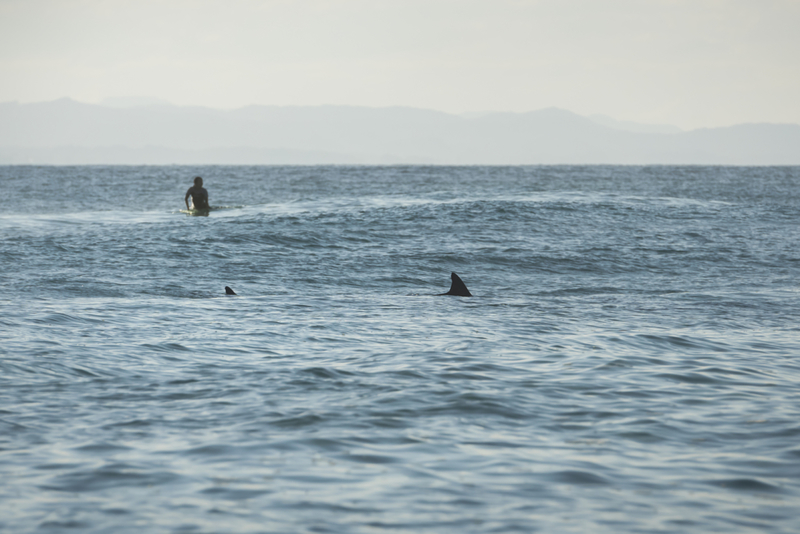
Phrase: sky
(689,63)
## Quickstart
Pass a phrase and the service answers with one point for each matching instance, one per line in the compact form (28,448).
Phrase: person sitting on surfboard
(199,196)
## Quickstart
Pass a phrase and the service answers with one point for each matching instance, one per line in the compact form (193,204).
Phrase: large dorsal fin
(458,288)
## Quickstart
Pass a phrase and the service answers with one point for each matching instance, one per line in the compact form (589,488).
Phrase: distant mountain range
(69,132)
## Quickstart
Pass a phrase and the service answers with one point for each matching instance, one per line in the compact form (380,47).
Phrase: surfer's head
(198,181)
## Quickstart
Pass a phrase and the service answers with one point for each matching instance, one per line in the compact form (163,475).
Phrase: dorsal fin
(229,291)
(458,288)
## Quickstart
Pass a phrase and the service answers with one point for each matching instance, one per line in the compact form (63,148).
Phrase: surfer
(199,196)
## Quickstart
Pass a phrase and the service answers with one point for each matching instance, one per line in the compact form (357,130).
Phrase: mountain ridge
(65,131)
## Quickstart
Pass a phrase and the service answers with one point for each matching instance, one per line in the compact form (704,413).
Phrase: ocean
(628,361)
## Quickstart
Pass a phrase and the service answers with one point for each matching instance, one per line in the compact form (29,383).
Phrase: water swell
(630,348)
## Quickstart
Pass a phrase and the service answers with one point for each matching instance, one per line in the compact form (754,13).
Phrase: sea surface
(629,362)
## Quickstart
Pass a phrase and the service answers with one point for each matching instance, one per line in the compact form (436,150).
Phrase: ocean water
(628,362)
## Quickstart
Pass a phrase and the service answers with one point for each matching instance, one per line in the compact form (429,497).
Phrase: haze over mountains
(70,132)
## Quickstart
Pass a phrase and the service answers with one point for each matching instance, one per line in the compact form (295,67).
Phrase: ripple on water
(746,485)
(109,477)
(578,478)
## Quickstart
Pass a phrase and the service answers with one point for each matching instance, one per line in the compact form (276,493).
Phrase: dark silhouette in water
(199,196)
(458,288)
(229,291)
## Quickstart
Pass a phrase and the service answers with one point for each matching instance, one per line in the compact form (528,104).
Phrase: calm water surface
(628,363)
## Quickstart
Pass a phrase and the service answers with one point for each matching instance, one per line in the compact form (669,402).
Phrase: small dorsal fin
(229,291)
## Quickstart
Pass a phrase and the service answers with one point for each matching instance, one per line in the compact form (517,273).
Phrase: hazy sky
(691,63)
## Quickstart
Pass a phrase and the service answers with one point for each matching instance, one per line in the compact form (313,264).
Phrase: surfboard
(194,211)
(205,211)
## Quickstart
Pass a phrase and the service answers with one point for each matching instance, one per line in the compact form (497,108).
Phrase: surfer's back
(199,197)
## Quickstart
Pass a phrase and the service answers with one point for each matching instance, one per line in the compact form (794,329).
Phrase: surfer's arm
(186,198)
